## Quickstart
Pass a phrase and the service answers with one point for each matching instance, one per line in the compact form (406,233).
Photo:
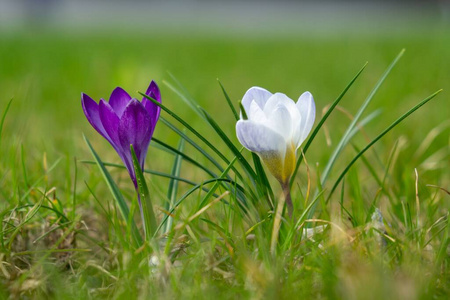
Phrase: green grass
(63,235)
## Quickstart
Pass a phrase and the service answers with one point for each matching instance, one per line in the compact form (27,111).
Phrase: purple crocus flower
(125,121)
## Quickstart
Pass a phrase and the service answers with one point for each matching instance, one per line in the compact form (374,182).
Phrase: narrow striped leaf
(300,221)
(229,144)
(322,121)
(184,94)
(117,195)
(173,184)
(389,128)
(185,156)
(230,104)
(152,172)
(188,127)
(216,185)
(346,137)
(5,112)
(201,150)
(192,190)
(194,144)
(148,215)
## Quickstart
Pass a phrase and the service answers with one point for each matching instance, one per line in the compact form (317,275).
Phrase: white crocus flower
(275,128)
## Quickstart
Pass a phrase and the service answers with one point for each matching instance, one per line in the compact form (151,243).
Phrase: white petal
(281,99)
(268,144)
(259,95)
(259,138)
(307,109)
(280,121)
(297,131)
(256,114)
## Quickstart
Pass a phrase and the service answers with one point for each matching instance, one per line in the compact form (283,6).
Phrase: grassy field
(62,236)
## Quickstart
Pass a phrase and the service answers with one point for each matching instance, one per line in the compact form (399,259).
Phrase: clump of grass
(373,229)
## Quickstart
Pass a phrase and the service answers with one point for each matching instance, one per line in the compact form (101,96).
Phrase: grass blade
(185,157)
(229,144)
(322,121)
(216,185)
(173,185)
(230,104)
(74,193)
(263,181)
(189,192)
(188,127)
(148,215)
(287,242)
(395,123)
(259,177)
(117,195)
(194,144)
(197,134)
(184,95)
(216,181)
(42,178)
(152,172)
(24,169)
(346,137)
(5,112)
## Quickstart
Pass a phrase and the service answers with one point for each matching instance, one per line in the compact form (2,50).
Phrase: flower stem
(276,226)
(287,197)
(279,215)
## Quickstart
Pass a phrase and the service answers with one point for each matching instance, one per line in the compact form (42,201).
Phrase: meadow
(384,232)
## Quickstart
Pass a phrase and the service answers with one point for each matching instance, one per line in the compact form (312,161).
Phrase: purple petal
(135,128)
(153,91)
(153,109)
(119,100)
(91,110)
(110,121)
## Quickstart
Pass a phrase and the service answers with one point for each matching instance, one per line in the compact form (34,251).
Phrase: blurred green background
(49,57)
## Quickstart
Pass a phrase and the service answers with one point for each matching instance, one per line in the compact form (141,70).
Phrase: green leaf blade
(173,184)
(117,195)
(148,215)
(322,121)
(389,128)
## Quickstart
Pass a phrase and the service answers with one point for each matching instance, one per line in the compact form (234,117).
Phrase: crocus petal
(125,121)
(152,109)
(281,99)
(257,94)
(307,109)
(280,121)
(153,91)
(135,128)
(110,121)
(268,144)
(256,114)
(297,132)
(119,100)
(91,110)
(275,128)
(259,138)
